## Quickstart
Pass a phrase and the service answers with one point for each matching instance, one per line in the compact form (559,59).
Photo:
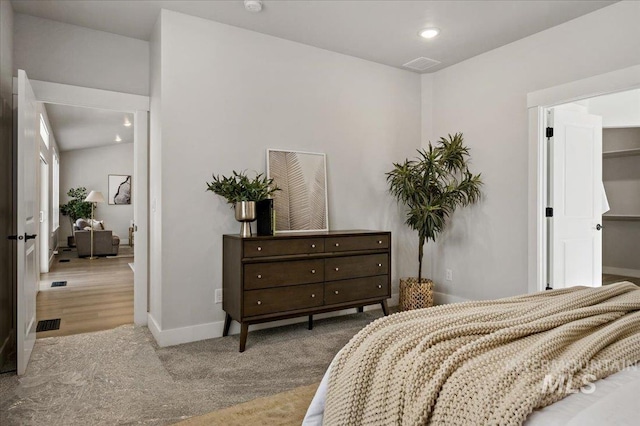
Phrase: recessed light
(127,123)
(429,33)
(118,138)
(254,6)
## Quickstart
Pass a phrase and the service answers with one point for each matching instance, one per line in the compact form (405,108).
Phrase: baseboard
(178,336)
(621,271)
(445,299)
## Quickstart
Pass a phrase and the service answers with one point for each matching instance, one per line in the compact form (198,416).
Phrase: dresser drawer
(340,268)
(285,246)
(280,274)
(356,289)
(360,242)
(282,299)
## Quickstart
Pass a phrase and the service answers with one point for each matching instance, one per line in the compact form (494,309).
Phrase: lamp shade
(95,197)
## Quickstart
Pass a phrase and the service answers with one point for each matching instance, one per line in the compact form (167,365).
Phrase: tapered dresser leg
(360,309)
(244,330)
(310,322)
(227,324)
(385,309)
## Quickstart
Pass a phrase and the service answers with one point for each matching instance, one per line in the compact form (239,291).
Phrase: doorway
(28,94)
(540,103)
(90,284)
(594,172)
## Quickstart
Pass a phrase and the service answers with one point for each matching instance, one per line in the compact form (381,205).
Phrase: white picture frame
(301,205)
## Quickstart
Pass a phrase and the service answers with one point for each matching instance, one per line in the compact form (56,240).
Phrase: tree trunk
(420,255)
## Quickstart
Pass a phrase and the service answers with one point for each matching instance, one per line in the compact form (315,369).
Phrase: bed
(561,357)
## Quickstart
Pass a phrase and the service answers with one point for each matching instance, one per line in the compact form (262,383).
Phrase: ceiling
(379,31)
(78,128)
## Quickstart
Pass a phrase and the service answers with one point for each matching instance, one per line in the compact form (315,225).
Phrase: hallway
(98,294)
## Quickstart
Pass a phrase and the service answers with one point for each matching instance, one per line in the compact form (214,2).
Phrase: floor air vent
(421,64)
(48,325)
(64,260)
(59,284)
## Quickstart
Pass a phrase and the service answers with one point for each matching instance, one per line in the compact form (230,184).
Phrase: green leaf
(433,186)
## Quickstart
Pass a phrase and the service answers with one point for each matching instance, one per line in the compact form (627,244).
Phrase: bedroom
(390,111)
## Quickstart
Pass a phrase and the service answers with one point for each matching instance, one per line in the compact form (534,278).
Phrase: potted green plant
(75,209)
(432,187)
(243,192)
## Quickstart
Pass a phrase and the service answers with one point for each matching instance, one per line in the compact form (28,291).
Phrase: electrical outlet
(219,295)
(449,275)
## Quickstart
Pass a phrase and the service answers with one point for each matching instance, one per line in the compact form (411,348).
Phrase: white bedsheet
(615,401)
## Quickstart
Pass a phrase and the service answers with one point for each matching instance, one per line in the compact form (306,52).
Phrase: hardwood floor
(98,295)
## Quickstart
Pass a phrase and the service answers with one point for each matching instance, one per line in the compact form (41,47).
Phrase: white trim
(64,94)
(141,216)
(212,330)
(603,84)
(635,273)
(538,102)
(445,299)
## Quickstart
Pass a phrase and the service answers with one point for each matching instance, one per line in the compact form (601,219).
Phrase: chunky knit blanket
(489,362)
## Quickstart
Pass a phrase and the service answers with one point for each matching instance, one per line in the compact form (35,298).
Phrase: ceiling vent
(421,64)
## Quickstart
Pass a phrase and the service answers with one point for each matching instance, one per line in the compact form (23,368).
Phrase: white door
(27,218)
(575,185)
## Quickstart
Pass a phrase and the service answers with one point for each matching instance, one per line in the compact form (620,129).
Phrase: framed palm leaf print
(301,204)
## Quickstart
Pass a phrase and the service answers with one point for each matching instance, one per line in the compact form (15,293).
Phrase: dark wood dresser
(291,275)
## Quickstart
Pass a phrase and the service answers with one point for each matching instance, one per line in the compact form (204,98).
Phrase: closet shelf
(625,217)
(621,153)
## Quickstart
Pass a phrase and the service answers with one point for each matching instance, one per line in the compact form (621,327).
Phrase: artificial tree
(76,208)
(433,186)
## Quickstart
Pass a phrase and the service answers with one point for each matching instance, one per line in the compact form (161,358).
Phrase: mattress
(613,400)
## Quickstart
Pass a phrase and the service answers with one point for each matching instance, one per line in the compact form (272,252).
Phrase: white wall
(228,94)
(63,53)
(485,98)
(90,168)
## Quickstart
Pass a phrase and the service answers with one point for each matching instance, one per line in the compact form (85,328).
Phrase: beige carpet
(283,409)
(121,376)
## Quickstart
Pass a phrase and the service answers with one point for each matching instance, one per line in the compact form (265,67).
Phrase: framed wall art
(119,189)
(301,204)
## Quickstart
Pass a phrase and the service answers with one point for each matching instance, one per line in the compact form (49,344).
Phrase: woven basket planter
(414,295)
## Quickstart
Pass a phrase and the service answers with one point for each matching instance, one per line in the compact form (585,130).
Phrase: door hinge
(549,287)
(549,132)
(548,212)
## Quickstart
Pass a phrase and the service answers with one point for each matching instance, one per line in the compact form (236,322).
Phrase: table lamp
(93,197)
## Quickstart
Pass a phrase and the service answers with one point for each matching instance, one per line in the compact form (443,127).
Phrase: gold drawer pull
(379,264)
(313,295)
(313,271)
(259,276)
(313,246)
(379,286)
(259,248)
(337,244)
(259,302)
(337,269)
(336,292)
